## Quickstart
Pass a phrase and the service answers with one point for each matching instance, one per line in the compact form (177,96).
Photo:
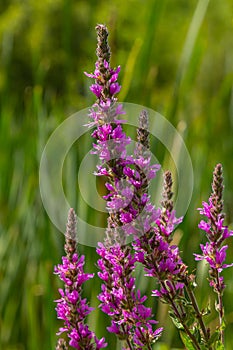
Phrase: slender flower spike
(214,252)
(167,221)
(71,307)
(160,259)
(128,176)
(216,232)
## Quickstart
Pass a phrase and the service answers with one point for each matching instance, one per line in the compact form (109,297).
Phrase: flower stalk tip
(103,50)
(143,130)
(71,231)
(167,202)
(217,190)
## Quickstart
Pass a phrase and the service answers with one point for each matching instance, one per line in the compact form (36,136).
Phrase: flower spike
(71,307)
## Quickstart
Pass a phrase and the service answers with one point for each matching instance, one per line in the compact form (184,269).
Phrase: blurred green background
(176,58)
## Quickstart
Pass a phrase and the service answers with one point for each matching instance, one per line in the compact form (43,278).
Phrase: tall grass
(176,58)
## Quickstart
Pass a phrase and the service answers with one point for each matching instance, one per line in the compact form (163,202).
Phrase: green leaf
(214,338)
(187,342)
(219,346)
(175,320)
(206,310)
(223,326)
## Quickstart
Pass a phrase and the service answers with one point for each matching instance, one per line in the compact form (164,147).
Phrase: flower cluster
(108,86)
(127,175)
(161,259)
(71,307)
(131,320)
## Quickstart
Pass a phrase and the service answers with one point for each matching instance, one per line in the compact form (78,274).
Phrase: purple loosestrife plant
(130,209)
(130,319)
(132,213)
(71,307)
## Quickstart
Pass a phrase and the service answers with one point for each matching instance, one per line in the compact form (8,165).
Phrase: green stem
(148,345)
(220,311)
(197,313)
(181,319)
(127,340)
(129,344)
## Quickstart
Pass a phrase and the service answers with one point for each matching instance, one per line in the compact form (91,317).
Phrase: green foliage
(176,58)
(219,346)
(187,342)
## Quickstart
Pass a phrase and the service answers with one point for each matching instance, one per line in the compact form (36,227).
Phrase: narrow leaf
(187,342)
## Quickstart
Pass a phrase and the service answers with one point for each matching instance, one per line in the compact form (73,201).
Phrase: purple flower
(206,209)
(96,89)
(126,217)
(114,87)
(205,226)
(214,257)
